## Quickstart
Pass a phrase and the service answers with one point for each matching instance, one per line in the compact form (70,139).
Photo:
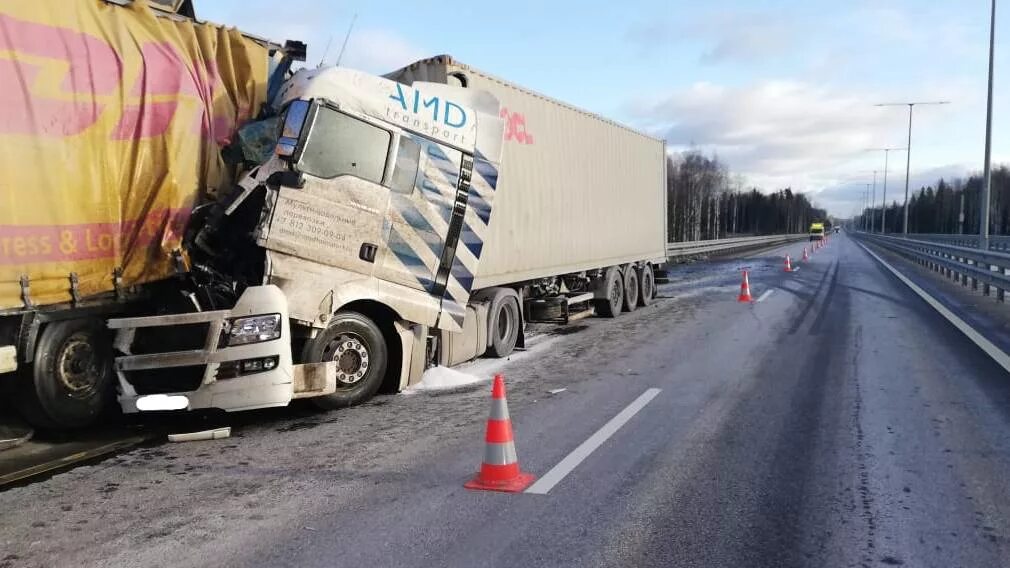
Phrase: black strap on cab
(455,226)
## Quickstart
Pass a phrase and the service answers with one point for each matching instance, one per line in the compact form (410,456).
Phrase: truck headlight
(254,329)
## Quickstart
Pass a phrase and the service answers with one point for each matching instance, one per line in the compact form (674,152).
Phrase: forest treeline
(937,208)
(705,202)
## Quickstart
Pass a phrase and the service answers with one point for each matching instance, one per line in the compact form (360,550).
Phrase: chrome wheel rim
(351,356)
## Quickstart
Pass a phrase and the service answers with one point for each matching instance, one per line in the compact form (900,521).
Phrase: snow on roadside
(445,378)
(474,374)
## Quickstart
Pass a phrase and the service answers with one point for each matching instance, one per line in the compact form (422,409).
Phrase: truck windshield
(339,144)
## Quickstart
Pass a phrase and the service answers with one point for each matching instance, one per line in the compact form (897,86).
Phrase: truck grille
(164,339)
(166,380)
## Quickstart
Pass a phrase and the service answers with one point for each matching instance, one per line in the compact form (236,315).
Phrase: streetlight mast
(883,201)
(873,201)
(866,200)
(983,231)
(908,154)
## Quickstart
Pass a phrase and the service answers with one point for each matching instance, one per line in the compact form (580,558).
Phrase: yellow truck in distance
(816,231)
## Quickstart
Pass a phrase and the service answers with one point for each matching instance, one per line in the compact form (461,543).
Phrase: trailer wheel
(71,381)
(630,289)
(356,343)
(503,322)
(646,285)
(610,306)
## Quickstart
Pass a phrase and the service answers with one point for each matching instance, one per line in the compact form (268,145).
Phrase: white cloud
(774,129)
(784,133)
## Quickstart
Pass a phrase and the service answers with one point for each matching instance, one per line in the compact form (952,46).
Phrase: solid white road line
(767,293)
(565,466)
(997,354)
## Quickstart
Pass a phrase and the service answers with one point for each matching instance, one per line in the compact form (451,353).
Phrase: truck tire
(356,343)
(610,306)
(504,322)
(71,381)
(630,289)
(646,285)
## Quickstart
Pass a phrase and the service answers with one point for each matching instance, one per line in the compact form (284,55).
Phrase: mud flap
(413,345)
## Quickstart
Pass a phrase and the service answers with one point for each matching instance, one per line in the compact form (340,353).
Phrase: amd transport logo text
(515,127)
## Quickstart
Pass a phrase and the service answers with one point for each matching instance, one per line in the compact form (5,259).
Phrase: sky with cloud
(782,90)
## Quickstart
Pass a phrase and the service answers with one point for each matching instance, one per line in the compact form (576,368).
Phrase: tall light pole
(983,230)
(873,200)
(866,201)
(908,154)
(883,200)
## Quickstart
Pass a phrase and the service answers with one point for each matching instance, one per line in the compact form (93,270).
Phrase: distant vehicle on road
(816,231)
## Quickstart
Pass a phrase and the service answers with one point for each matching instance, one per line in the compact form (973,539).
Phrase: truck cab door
(420,206)
(337,217)
(437,231)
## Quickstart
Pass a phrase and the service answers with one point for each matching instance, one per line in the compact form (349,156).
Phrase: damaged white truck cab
(368,224)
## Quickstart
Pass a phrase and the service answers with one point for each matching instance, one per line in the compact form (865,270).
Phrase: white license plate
(8,358)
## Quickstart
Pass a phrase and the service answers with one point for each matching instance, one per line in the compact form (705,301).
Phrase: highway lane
(839,422)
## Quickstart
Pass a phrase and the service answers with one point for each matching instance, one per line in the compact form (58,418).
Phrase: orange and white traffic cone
(806,256)
(789,264)
(500,469)
(745,290)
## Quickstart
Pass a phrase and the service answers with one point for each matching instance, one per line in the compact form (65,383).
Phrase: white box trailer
(577,191)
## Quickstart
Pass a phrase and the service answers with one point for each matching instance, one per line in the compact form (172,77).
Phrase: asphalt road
(837,422)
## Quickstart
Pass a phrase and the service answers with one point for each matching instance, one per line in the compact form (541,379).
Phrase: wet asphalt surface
(837,422)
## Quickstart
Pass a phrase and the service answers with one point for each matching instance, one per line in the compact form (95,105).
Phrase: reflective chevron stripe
(486,170)
(410,260)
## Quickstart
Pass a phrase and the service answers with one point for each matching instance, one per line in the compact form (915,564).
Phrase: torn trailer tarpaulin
(112,120)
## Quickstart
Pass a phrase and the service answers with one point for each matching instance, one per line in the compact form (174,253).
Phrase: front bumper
(195,377)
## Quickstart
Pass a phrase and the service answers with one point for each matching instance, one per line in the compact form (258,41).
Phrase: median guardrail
(966,265)
(700,248)
(1000,242)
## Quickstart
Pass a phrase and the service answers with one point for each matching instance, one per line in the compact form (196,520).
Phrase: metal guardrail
(693,248)
(1001,242)
(964,264)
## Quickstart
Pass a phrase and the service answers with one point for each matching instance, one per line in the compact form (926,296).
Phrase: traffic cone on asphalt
(744,290)
(806,257)
(789,264)
(500,469)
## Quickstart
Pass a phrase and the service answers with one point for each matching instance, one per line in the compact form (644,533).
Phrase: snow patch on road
(474,374)
(445,378)
(535,346)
